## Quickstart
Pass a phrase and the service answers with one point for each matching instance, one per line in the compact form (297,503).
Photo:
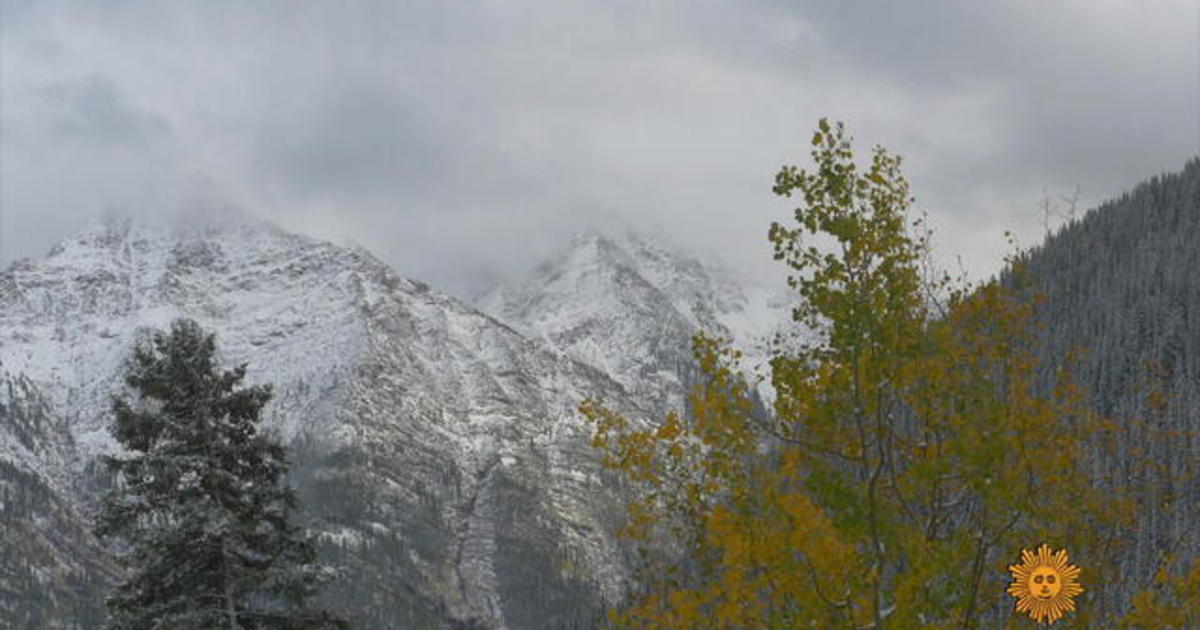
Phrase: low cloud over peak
(461,142)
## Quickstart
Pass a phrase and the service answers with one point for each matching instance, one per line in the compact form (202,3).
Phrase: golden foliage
(1171,603)
(910,452)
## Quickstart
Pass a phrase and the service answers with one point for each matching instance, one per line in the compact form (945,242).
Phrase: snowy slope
(438,451)
(69,321)
(630,304)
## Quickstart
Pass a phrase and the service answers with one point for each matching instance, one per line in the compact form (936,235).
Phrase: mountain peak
(629,304)
(115,229)
(417,422)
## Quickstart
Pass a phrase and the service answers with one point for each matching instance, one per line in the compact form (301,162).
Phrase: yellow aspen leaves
(909,451)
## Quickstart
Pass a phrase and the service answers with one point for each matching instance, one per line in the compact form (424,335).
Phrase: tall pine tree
(200,506)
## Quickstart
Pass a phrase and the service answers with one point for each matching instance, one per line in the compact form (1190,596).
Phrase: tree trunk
(230,611)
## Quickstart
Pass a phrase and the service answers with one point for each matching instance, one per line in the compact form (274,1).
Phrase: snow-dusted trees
(1123,293)
(200,508)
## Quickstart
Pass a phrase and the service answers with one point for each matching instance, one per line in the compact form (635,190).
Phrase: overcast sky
(461,140)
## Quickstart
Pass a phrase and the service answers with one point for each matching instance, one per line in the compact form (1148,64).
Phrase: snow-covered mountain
(629,304)
(438,452)
(437,449)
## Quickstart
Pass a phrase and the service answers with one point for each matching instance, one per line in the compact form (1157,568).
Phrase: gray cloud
(357,142)
(91,111)
(463,141)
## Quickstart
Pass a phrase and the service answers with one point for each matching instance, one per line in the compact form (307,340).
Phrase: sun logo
(1044,584)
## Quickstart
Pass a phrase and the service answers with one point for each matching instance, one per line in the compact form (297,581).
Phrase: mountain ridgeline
(437,450)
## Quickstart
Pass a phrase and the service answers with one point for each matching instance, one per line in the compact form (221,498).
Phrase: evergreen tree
(199,506)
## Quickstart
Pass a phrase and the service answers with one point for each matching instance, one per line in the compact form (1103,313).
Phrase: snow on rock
(438,452)
(629,304)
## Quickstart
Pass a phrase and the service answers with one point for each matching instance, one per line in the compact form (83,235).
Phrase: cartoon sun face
(1044,584)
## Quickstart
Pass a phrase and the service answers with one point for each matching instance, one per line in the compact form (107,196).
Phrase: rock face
(51,569)
(437,451)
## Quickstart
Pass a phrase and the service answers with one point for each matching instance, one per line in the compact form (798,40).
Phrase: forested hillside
(1122,291)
